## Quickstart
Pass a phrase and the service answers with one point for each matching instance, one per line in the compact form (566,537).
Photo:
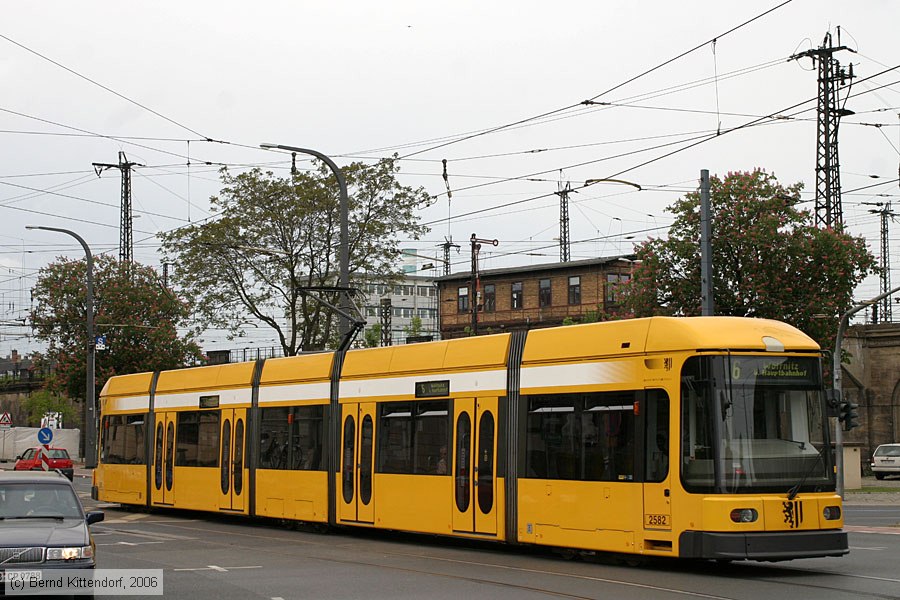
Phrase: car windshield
(887,451)
(58,453)
(35,500)
(754,424)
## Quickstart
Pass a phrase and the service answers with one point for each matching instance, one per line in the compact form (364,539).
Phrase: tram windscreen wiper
(793,491)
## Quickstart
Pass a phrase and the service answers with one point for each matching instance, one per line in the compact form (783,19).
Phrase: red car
(59,460)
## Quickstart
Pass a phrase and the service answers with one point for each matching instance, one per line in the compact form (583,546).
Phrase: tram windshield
(754,424)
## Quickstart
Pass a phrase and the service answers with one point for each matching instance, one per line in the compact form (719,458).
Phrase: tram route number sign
(657,521)
(433,389)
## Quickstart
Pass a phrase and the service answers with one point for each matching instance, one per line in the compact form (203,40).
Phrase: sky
(494,88)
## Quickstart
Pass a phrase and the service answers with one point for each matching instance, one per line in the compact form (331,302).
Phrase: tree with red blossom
(138,316)
(768,259)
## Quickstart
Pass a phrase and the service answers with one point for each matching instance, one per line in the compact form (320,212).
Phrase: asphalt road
(212,557)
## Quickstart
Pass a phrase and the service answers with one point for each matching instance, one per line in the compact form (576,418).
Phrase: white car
(886,460)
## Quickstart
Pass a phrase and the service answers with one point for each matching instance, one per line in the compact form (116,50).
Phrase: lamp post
(344,252)
(90,408)
(838,431)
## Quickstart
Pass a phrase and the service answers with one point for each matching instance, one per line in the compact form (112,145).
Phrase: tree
(136,314)
(414,328)
(278,236)
(372,336)
(41,402)
(769,260)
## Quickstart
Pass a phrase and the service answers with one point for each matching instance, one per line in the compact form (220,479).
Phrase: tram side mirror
(833,402)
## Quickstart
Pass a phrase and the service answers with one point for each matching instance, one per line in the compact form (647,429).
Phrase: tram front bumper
(763,546)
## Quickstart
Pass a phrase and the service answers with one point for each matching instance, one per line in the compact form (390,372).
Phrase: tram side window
(413,438)
(698,438)
(123,440)
(273,438)
(588,437)
(197,439)
(657,439)
(306,438)
(395,435)
(432,431)
(291,438)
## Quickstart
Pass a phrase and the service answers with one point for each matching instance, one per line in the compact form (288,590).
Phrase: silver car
(886,460)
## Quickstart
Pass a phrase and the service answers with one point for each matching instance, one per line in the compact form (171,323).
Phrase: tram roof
(555,344)
(663,334)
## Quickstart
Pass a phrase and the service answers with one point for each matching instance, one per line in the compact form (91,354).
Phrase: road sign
(44,456)
(45,435)
(100,342)
(5,420)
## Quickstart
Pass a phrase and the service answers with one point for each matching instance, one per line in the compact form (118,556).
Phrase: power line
(100,85)
(99,135)
(615,87)
(695,142)
(69,196)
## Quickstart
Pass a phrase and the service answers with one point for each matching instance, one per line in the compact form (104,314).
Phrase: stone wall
(871,378)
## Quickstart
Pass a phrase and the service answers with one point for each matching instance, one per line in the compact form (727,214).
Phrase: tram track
(284,537)
(301,549)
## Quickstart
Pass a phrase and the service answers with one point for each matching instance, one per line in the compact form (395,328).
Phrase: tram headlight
(744,515)
(831,513)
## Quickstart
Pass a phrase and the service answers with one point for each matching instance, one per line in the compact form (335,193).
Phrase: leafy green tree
(41,402)
(414,328)
(372,336)
(139,318)
(769,260)
(277,236)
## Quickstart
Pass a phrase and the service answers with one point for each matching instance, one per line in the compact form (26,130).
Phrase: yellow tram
(685,437)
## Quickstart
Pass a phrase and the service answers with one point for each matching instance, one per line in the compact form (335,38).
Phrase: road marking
(218,568)
(127,518)
(864,529)
(863,548)
(148,534)
(129,543)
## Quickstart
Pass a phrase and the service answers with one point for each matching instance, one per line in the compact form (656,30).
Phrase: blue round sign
(45,435)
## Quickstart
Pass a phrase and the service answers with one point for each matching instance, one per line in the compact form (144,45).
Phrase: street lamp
(90,409)
(344,252)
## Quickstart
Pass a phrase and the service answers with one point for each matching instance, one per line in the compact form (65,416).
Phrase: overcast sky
(361,80)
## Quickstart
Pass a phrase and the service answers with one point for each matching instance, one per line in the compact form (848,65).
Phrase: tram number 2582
(656,521)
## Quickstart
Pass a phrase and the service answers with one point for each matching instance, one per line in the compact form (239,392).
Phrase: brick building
(533,296)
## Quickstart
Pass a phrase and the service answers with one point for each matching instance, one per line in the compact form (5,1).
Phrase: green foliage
(414,328)
(138,317)
(568,321)
(279,235)
(38,403)
(372,336)
(592,316)
(769,260)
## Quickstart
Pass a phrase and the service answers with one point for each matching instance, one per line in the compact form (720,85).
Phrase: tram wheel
(566,553)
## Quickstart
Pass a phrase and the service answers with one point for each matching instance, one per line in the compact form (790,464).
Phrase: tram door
(232,464)
(657,475)
(357,458)
(162,477)
(474,465)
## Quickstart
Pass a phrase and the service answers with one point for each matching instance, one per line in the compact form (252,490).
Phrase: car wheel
(879,476)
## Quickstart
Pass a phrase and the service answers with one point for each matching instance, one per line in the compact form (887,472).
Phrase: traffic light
(849,415)
(833,403)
